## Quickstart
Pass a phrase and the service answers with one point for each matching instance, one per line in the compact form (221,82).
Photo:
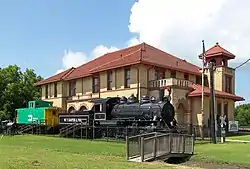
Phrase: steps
(67,130)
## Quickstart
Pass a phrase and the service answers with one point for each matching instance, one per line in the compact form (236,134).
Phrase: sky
(51,36)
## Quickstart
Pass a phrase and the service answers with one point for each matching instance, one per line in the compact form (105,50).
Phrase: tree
(242,114)
(16,89)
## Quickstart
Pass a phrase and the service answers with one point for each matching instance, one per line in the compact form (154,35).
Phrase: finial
(217,43)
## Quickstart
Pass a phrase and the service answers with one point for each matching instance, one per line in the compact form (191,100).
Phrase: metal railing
(156,145)
(171,82)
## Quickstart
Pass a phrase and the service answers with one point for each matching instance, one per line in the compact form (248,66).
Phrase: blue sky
(35,34)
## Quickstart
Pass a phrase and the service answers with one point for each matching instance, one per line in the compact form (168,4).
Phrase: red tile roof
(84,70)
(142,53)
(154,56)
(57,77)
(217,50)
(198,92)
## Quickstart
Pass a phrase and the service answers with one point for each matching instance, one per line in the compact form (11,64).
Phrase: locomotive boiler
(117,117)
(144,113)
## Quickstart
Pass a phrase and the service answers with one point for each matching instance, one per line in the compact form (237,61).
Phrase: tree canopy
(16,89)
(242,114)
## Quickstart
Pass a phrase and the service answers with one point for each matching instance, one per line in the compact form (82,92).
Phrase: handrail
(159,145)
(140,135)
(68,128)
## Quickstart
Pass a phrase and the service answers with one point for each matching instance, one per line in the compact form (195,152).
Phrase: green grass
(242,137)
(41,152)
(50,152)
(230,153)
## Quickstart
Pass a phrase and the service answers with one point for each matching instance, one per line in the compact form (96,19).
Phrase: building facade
(146,70)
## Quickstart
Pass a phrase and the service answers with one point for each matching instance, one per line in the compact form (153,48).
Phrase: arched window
(71,110)
(82,108)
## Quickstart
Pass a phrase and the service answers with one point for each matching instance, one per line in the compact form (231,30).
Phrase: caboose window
(127,78)
(109,80)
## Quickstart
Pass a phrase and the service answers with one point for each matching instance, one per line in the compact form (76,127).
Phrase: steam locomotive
(123,113)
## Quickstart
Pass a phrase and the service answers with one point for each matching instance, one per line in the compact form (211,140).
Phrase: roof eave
(115,67)
(172,68)
(235,98)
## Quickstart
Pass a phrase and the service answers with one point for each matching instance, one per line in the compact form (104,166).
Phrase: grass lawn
(231,153)
(242,137)
(28,152)
(43,152)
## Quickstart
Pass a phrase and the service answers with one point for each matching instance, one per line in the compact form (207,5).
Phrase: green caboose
(38,112)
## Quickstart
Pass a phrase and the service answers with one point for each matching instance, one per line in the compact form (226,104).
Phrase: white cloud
(101,50)
(75,59)
(72,59)
(133,41)
(59,71)
(179,26)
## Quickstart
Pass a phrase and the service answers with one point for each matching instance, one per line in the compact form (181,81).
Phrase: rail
(70,129)
(155,145)
(170,82)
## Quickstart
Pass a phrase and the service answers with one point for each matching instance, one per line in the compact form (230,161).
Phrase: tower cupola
(218,55)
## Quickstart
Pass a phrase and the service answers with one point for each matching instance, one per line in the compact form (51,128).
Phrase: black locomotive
(121,116)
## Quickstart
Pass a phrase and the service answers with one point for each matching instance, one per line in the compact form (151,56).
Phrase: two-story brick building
(146,70)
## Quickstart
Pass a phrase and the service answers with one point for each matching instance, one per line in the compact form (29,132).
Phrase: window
(159,74)
(109,81)
(46,91)
(228,85)
(97,108)
(198,80)
(72,88)
(127,78)
(186,76)
(173,74)
(219,108)
(31,105)
(95,88)
(55,89)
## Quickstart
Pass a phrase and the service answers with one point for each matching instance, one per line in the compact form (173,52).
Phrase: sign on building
(233,126)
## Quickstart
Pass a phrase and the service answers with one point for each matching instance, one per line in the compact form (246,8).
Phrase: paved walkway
(238,141)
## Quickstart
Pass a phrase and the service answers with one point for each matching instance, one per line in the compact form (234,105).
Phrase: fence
(157,145)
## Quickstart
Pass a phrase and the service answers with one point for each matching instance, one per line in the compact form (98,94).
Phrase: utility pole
(212,120)
(202,96)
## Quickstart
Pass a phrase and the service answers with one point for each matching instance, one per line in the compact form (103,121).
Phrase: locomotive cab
(102,108)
